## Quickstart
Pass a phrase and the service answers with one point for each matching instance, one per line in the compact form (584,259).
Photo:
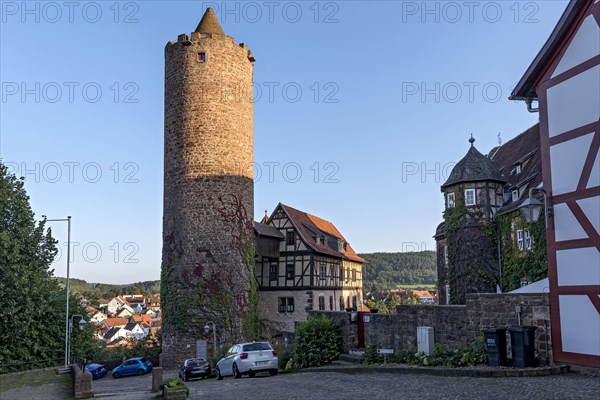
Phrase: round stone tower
(207,259)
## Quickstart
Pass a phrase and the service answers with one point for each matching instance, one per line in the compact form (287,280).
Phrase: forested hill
(388,270)
(95,291)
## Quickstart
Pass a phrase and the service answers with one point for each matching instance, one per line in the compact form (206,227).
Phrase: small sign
(385,351)
(366,318)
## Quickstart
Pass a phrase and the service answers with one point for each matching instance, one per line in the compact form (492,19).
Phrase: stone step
(351,358)
(64,370)
(342,363)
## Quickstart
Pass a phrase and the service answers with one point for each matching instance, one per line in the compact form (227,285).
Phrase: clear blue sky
(390,92)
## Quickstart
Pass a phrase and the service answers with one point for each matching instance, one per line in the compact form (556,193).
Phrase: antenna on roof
(499,139)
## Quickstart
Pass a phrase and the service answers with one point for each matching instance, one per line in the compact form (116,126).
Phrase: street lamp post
(68,220)
(82,323)
(214,329)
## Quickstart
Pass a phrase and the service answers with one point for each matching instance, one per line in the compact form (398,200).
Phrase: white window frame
(515,195)
(451,203)
(518,169)
(467,203)
(527,239)
(520,240)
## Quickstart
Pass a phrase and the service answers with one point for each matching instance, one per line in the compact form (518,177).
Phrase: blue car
(133,366)
(97,370)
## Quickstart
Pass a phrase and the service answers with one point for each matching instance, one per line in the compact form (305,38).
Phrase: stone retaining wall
(454,326)
(82,383)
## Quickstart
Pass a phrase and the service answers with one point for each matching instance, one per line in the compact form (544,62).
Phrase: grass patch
(33,378)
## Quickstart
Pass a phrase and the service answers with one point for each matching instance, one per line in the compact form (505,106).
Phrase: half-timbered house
(303,263)
(564,79)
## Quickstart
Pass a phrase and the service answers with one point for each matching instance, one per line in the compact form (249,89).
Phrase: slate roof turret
(474,167)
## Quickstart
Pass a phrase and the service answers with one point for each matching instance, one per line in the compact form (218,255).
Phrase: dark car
(194,368)
(133,366)
(97,370)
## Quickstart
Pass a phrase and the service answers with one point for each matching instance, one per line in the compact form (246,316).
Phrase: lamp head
(531,209)
(82,324)
(206,328)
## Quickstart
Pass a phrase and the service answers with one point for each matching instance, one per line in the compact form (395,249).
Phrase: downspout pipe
(529,101)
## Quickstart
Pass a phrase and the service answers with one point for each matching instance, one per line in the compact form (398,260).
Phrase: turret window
(450,200)
(470,197)
(202,57)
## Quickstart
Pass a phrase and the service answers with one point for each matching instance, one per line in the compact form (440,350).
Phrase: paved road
(385,386)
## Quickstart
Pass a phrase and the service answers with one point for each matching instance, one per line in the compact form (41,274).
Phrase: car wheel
(116,375)
(251,374)
(219,376)
(272,372)
(236,372)
(140,372)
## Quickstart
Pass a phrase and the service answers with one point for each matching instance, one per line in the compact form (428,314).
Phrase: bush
(317,342)
(474,354)
(284,357)
(176,384)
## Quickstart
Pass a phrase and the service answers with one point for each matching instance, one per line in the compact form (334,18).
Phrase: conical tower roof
(474,167)
(209,23)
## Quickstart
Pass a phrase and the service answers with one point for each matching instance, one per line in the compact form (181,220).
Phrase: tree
(32,305)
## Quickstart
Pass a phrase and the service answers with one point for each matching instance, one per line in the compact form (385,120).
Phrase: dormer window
(345,246)
(470,199)
(515,195)
(450,200)
(518,169)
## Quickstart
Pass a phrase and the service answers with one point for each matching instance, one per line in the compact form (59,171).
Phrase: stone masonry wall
(454,326)
(208,191)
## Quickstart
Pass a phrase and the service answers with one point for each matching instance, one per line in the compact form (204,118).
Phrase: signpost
(385,352)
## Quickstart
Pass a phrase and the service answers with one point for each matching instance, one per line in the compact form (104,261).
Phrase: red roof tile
(310,226)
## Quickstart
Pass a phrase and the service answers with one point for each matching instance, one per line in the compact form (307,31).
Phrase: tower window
(202,57)
(451,200)
(470,197)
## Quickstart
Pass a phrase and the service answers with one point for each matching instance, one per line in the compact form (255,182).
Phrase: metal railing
(80,361)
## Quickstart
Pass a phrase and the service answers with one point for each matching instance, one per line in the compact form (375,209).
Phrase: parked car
(248,359)
(194,368)
(97,370)
(133,366)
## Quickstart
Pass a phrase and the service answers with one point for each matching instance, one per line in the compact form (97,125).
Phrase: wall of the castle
(273,321)
(208,190)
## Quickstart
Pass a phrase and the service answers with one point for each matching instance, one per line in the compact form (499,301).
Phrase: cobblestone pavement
(324,385)
(335,385)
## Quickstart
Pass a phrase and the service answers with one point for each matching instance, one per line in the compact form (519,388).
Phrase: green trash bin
(522,340)
(495,342)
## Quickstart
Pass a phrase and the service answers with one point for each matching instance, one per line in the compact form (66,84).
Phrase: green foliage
(473,354)
(317,342)
(531,265)
(93,292)
(31,304)
(390,270)
(176,384)
(284,357)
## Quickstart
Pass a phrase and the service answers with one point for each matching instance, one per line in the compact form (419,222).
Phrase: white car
(248,358)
